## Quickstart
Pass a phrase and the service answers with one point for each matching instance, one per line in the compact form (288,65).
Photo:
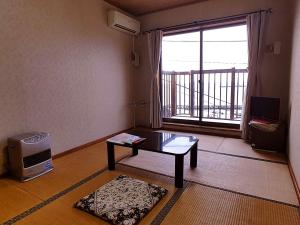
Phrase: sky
(223,48)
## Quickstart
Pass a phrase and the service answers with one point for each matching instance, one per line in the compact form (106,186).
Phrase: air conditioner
(123,23)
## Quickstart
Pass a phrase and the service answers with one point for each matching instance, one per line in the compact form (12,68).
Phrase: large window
(204,74)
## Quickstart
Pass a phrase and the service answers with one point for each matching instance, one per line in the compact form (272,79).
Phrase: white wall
(62,71)
(294,132)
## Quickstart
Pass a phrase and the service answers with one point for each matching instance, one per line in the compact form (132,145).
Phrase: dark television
(265,108)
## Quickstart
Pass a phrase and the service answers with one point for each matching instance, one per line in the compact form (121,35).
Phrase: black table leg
(111,156)
(135,151)
(179,171)
(193,158)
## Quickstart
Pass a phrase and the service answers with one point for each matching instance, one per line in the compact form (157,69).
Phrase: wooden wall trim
(59,155)
(294,181)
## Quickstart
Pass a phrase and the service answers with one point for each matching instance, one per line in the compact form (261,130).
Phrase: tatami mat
(263,179)
(69,170)
(62,212)
(208,206)
(253,177)
(14,201)
(232,146)
(239,147)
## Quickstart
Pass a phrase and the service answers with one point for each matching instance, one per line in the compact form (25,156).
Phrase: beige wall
(275,68)
(62,71)
(294,140)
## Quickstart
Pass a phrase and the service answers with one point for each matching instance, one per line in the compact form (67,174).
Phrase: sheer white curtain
(256,25)
(154,49)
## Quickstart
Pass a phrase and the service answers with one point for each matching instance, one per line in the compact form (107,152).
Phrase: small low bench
(163,143)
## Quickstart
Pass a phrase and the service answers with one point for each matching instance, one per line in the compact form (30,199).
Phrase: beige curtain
(154,49)
(256,24)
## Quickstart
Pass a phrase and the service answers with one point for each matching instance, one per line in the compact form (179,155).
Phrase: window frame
(196,28)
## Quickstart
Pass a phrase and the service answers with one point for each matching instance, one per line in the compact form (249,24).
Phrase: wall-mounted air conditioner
(123,23)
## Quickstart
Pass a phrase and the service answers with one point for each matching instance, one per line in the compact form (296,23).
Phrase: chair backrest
(265,108)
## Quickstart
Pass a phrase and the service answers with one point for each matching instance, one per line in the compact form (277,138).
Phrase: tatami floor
(50,198)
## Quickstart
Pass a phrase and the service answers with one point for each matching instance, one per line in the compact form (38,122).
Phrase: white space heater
(29,155)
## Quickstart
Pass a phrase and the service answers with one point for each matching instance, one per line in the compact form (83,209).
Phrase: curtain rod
(207,21)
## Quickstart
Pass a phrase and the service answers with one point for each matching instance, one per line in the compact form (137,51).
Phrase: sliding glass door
(225,62)
(181,56)
(204,75)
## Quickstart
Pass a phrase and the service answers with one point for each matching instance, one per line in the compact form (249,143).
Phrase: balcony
(213,96)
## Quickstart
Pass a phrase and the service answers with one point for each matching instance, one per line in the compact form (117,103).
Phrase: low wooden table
(163,143)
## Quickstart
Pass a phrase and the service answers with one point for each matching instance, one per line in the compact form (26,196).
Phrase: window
(215,94)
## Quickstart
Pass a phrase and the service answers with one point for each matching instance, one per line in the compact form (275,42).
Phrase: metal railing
(222,93)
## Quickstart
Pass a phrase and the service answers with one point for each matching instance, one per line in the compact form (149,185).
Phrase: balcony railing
(222,94)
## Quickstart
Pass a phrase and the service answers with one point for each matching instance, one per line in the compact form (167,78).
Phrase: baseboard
(294,181)
(217,131)
(87,144)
